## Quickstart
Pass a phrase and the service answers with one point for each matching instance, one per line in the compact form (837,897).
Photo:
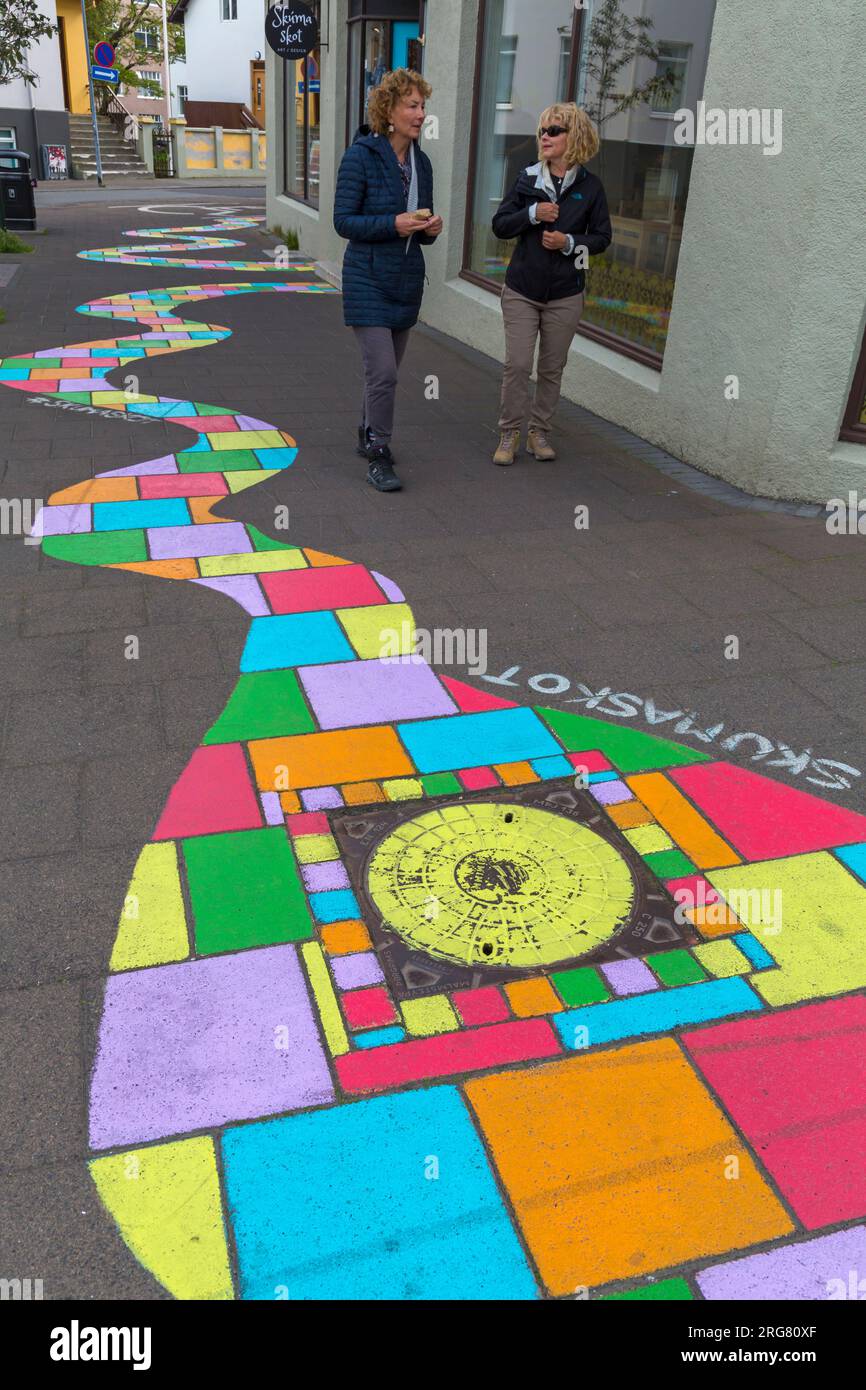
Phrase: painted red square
(480,1005)
(795,1085)
(213,793)
(477,779)
(592,760)
(763,819)
(307,591)
(184,485)
(309,823)
(368,1008)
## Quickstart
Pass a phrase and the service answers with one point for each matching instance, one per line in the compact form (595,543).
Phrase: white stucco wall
(44,60)
(771,283)
(219,52)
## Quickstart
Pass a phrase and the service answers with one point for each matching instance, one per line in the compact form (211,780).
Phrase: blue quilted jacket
(383,273)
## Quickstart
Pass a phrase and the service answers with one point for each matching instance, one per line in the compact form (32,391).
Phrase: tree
(118,22)
(614,41)
(22,23)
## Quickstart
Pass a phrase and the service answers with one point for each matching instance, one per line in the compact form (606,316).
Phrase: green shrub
(12,244)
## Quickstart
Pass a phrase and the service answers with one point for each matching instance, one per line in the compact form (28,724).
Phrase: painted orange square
(319,559)
(515,774)
(315,760)
(682,821)
(362,793)
(290,802)
(166,569)
(528,998)
(342,938)
(629,814)
(97,490)
(199,509)
(618,1163)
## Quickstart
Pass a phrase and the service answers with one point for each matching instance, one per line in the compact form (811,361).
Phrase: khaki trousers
(554,324)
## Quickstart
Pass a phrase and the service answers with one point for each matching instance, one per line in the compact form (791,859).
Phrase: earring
(390,129)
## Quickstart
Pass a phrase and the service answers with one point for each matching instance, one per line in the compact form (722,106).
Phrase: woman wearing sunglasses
(558,212)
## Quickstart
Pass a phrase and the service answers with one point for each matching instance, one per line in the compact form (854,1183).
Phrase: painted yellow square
(247,439)
(426,1017)
(315,849)
(384,629)
(402,789)
(646,839)
(722,959)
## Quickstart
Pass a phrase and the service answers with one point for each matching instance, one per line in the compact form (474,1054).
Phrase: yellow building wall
(237,150)
(77,62)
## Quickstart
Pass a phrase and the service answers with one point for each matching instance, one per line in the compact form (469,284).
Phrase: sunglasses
(553,130)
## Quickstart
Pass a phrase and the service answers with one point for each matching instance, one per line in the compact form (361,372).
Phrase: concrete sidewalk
(641,603)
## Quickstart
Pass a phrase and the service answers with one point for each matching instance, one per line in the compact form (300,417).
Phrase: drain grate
(498,885)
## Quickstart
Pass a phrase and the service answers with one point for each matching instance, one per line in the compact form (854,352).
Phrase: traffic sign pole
(97,150)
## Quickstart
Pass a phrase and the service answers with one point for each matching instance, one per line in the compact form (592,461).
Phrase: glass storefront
(383,35)
(631,77)
(301,89)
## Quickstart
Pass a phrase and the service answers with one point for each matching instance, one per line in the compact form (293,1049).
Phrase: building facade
(726,323)
(225,43)
(37,115)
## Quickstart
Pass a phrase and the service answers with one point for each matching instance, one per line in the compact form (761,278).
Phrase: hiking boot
(364,440)
(381,471)
(539,445)
(509,444)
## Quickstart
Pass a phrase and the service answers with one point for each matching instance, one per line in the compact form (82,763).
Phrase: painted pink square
(592,760)
(184,485)
(484,1005)
(309,823)
(332,586)
(213,793)
(476,779)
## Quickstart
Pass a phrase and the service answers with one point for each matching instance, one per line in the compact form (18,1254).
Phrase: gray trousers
(552,325)
(382,350)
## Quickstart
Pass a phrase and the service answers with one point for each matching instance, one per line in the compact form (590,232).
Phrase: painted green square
(245,890)
(75,397)
(210,409)
(669,863)
(263,704)
(441,784)
(98,547)
(262,542)
(30,362)
(676,968)
(216,460)
(581,986)
(629,750)
(666,1290)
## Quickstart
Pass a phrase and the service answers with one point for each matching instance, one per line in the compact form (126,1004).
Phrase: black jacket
(533,270)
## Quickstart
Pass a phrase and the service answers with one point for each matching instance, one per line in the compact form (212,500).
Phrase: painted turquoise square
(341,905)
(343,1203)
(122,516)
(294,639)
(473,740)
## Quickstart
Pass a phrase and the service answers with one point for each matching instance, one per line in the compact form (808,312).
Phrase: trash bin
(17,202)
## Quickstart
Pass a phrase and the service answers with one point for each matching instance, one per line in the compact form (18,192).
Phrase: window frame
(853,431)
(232,7)
(306,200)
(686,62)
(13,131)
(646,356)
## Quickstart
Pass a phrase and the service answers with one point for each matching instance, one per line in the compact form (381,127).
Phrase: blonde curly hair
(583,138)
(393,87)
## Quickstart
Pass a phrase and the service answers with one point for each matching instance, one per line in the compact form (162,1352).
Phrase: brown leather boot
(509,445)
(539,445)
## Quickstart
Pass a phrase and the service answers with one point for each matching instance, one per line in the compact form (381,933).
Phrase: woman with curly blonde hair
(558,212)
(383,205)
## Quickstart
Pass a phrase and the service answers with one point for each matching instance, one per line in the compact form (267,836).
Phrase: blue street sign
(104,74)
(314,87)
(103,54)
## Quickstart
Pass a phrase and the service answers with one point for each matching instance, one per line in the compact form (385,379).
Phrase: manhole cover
(496,885)
(500,884)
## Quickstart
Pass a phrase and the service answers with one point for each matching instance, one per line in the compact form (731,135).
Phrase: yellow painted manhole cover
(499,884)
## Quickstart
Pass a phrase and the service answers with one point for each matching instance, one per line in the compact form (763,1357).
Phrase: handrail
(125,120)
